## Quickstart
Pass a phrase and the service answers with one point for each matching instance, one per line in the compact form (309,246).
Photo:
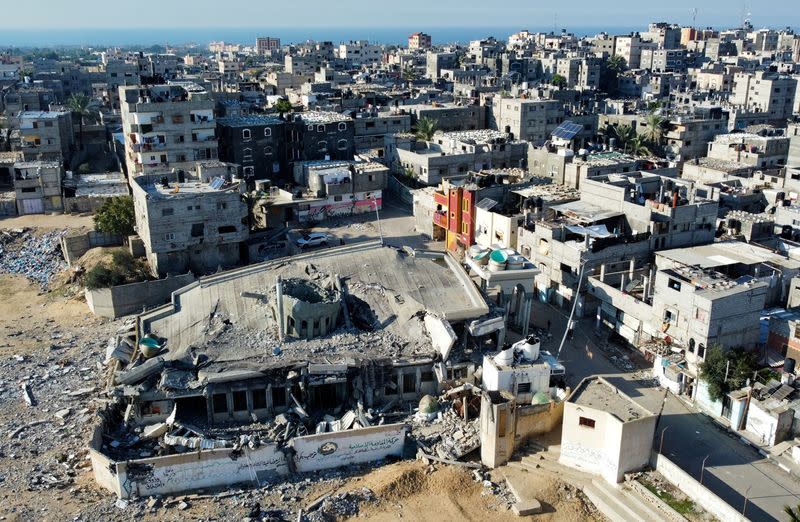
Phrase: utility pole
(378,215)
(703,468)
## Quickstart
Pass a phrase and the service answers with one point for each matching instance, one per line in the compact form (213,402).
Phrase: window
(167,211)
(691,345)
(240,400)
(278,397)
(267,151)
(247,155)
(221,205)
(322,146)
(246,135)
(249,172)
(220,403)
(701,351)
(465,228)
(426,376)
(267,132)
(337,198)
(586,422)
(674,284)
(169,237)
(409,383)
(524,387)
(341,145)
(465,205)
(259,399)
(342,126)
(198,229)
(320,128)
(227,229)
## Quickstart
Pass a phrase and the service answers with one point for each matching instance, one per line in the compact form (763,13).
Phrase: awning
(591,230)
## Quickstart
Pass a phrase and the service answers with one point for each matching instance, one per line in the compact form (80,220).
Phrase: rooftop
(41,115)
(174,190)
(606,158)
(597,393)
(724,253)
(253,120)
(315,117)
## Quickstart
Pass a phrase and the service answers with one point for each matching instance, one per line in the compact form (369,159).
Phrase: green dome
(540,398)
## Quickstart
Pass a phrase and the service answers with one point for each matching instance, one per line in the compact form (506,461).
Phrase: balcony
(440,219)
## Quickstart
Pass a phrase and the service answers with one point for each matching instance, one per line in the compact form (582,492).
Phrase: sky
(78,14)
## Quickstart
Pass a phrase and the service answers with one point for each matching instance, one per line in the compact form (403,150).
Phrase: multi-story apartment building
(526,119)
(436,61)
(419,41)
(751,149)
(663,60)
(166,127)
(26,99)
(629,47)
(319,135)
(190,224)
(47,135)
(37,187)
(267,44)
(581,73)
(448,117)
(360,53)
(256,143)
(765,92)
(372,126)
(664,35)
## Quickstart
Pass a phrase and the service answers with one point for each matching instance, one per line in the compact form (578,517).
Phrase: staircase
(617,502)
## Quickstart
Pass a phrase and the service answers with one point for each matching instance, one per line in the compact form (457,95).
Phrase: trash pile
(339,506)
(36,257)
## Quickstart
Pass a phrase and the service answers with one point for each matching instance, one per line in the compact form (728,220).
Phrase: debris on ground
(37,257)
(341,505)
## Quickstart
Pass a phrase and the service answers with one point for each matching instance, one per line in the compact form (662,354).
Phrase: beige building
(604,432)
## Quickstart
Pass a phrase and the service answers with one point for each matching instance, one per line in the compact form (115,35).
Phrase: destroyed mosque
(293,365)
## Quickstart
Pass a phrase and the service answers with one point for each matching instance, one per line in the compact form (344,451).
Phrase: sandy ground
(46,221)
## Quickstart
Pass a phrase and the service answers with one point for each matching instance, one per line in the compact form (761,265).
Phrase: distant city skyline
(245,14)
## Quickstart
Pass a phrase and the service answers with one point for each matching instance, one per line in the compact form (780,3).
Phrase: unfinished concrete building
(293,365)
(37,187)
(166,127)
(194,223)
(47,135)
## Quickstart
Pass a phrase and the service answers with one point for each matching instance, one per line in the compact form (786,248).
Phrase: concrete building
(765,92)
(629,47)
(359,53)
(319,135)
(372,126)
(435,62)
(663,34)
(257,143)
(419,41)
(526,119)
(47,135)
(37,187)
(605,432)
(448,117)
(664,60)
(167,127)
(758,151)
(267,45)
(454,154)
(191,224)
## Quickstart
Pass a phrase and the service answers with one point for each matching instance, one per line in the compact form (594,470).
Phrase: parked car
(313,239)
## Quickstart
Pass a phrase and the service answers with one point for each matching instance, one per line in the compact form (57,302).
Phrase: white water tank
(505,358)
(529,347)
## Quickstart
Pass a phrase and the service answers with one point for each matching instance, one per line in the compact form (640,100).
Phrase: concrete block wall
(129,299)
(74,246)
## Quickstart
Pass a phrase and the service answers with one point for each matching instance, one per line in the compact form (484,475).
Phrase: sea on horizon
(204,35)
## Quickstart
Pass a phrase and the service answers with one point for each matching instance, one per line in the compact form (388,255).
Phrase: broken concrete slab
(529,507)
(154,431)
(27,394)
(143,371)
(442,335)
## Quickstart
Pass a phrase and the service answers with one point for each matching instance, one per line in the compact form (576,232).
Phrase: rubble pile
(36,257)
(339,506)
(451,437)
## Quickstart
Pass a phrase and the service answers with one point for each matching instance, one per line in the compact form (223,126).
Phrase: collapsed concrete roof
(228,317)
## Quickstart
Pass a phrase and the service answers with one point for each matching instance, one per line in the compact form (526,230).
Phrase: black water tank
(788,365)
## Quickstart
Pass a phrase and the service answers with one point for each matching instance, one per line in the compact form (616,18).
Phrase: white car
(313,239)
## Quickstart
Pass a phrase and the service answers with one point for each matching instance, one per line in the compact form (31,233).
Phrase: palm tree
(559,81)
(81,105)
(623,134)
(793,513)
(409,75)
(426,128)
(638,147)
(655,127)
(616,63)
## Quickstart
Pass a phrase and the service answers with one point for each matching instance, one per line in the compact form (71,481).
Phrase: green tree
(283,106)
(409,74)
(81,105)
(616,63)
(792,512)
(638,147)
(726,371)
(624,134)
(116,216)
(426,128)
(656,126)
(559,81)
(609,75)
